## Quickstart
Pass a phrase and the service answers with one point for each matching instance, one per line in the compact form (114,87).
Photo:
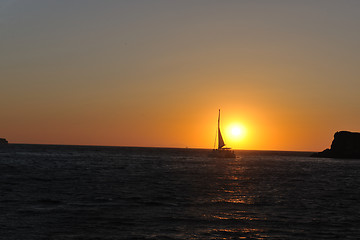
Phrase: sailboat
(221,151)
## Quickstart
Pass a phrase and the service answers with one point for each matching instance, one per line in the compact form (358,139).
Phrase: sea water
(79,192)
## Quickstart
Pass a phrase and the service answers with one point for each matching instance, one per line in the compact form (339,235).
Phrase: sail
(220,139)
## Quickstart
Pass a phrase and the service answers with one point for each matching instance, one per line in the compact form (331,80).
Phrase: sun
(236,135)
(237,132)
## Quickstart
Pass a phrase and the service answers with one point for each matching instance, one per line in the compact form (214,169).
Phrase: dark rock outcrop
(345,145)
(3,141)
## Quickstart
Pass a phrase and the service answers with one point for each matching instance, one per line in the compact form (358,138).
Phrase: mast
(220,139)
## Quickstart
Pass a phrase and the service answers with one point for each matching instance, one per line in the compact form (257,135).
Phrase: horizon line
(168,147)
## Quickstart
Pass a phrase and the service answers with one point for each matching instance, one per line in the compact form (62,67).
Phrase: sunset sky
(155,73)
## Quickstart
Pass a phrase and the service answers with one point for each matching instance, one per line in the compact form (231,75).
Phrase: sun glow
(236,132)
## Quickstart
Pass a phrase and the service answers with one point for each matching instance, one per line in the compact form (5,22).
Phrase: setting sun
(237,132)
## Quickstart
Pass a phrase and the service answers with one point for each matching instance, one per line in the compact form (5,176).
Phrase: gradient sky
(155,73)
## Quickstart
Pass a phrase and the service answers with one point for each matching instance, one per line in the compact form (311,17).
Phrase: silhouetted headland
(345,145)
(3,141)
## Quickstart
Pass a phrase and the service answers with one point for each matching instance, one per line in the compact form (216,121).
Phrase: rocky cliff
(3,141)
(345,145)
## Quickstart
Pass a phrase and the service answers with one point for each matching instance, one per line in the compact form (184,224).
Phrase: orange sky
(155,73)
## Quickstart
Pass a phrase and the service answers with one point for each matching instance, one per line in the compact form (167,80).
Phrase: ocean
(89,192)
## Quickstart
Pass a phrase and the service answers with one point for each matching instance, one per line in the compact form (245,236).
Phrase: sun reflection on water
(227,216)
(248,232)
(233,211)
(236,200)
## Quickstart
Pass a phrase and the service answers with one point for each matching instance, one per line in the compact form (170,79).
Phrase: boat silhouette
(221,151)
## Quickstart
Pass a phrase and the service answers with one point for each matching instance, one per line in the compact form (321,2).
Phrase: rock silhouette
(3,141)
(345,145)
